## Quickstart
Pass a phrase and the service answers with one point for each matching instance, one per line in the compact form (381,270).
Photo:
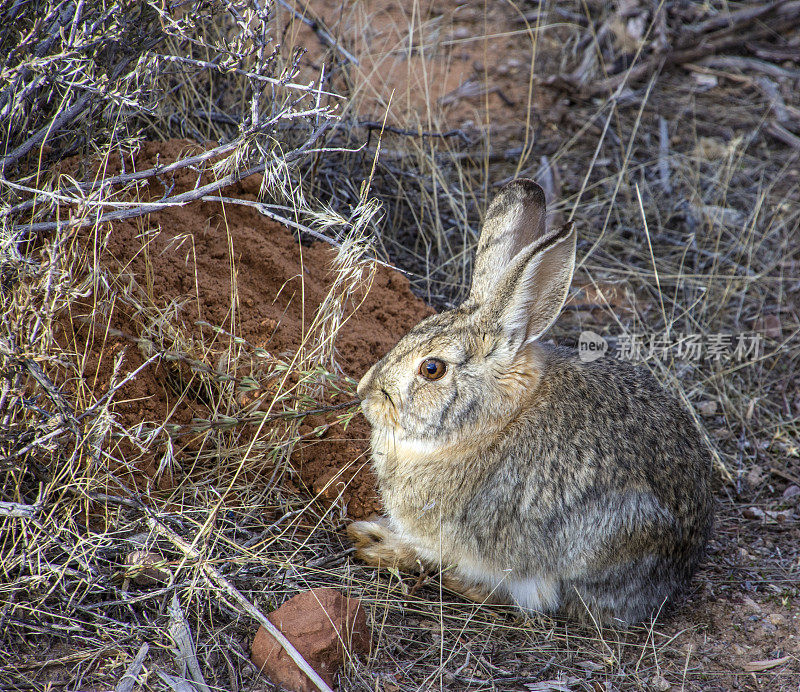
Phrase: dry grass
(698,232)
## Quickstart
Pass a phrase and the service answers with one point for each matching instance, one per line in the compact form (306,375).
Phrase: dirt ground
(745,605)
(743,609)
(231,267)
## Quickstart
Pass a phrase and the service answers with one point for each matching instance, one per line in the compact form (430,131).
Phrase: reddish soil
(432,65)
(743,606)
(237,270)
(468,66)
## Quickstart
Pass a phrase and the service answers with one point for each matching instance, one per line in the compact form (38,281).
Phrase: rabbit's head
(461,375)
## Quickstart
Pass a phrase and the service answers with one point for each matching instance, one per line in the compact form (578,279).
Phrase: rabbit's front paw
(376,544)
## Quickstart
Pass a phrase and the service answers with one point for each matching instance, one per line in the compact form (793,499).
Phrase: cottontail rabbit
(525,474)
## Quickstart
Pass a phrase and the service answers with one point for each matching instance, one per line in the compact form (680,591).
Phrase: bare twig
(128,681)
(16,510)
(216,579)
(52,391)
(739,19)
(126,178)
(60,430)
(724,62)
(113,390)
(251,75)
(322,33)
(181,635)
(268,211)
(175,200)
(768,51)
(663,155)
(785,15)
(176,684)
(781,133)
(383,127)
(64,117)
(777,104)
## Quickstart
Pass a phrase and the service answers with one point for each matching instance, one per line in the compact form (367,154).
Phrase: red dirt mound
(233,268)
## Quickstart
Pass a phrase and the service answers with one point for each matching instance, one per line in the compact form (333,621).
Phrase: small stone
(790,492)
(751,605)
(321,624)
(777,619)
(707,408)
(755,476)
(780,515)
(146,568)
(768,627)
(659,683)
(771,326)
(705,81)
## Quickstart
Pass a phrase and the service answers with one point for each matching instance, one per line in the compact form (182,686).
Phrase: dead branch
(781,133)
(743,63)
(663,155)
(739,18)
(382,127)
(17,510)
(217,580)
(66,116)
(113,390)
(185,653)
(701,44)
(175,200)
(126,178)
(205,64)
(322,33)
(128,681)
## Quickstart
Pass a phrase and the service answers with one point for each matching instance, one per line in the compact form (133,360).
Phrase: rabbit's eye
(432,369)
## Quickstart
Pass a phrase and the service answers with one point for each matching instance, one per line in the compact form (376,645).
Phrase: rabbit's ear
(529,295)
(514,220)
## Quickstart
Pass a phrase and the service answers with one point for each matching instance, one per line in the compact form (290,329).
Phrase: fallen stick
(128,681)
(175,200)
(322,34)
(181,635)
(663,155)
(738,18)
(738,62)
(125,178)
(781,133)
(64,117)
(786,14)
(17,510)
(216,579)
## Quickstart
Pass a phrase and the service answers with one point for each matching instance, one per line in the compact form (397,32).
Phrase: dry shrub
(683,231)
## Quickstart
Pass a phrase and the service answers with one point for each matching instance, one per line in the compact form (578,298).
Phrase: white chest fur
(537,593)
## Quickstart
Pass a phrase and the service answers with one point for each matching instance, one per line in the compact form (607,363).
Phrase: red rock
(322,624)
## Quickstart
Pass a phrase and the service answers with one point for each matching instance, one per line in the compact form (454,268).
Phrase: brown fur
(526,475)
